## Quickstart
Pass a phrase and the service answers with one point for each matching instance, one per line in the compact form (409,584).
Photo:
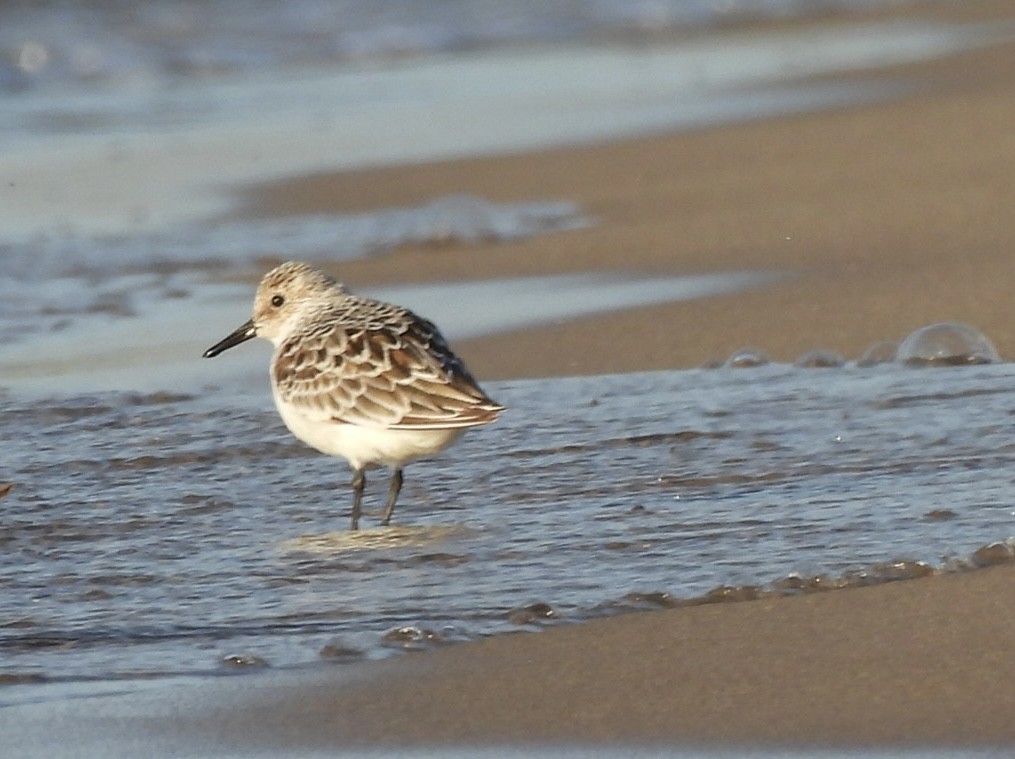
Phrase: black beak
(245,332)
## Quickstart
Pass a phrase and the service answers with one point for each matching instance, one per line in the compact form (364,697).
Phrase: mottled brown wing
(392,375)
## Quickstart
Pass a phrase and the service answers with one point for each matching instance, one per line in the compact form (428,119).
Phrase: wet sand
(921,662)
(889,216)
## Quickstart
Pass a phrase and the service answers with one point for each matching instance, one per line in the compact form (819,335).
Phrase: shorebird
(359,379)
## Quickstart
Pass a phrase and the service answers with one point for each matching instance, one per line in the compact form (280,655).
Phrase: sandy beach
(884,218)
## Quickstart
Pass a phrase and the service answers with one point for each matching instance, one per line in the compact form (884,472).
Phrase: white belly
(366,446)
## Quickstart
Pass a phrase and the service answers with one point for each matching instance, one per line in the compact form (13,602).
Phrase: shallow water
(166,534)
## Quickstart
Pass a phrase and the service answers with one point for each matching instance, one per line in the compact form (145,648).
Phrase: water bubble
(889,571)
(746,358)
(879,353)
(947,344)
(733,593)
(653,598)
(339,651)
(531,615)
(994,553)
(642,601)
(411,636)
(244,661)
(795,583)
(819,359)
(900,569)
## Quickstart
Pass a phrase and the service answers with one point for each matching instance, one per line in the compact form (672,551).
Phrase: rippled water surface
(167,534)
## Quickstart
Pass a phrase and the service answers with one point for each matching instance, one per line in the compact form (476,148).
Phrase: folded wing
(389,375)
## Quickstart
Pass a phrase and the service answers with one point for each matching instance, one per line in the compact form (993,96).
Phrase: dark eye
(277,301)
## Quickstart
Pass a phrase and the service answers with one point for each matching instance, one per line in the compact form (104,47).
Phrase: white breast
(364,446)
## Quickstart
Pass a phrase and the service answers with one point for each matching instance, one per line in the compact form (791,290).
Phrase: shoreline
(913,664)
(895,664)
(890,216)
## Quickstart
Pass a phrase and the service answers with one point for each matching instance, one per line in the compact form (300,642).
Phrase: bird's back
(365,362)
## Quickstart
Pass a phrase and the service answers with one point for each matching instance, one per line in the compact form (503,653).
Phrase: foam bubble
(820,359)
(883,352)
(243,661)
(994,553)
(746,358)
(412,636)
(947,344)
(533,614)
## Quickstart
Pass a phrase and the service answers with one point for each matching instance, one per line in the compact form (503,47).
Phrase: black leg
(396,487)
(359,481)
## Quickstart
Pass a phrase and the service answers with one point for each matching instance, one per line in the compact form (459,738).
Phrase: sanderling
(367,381)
